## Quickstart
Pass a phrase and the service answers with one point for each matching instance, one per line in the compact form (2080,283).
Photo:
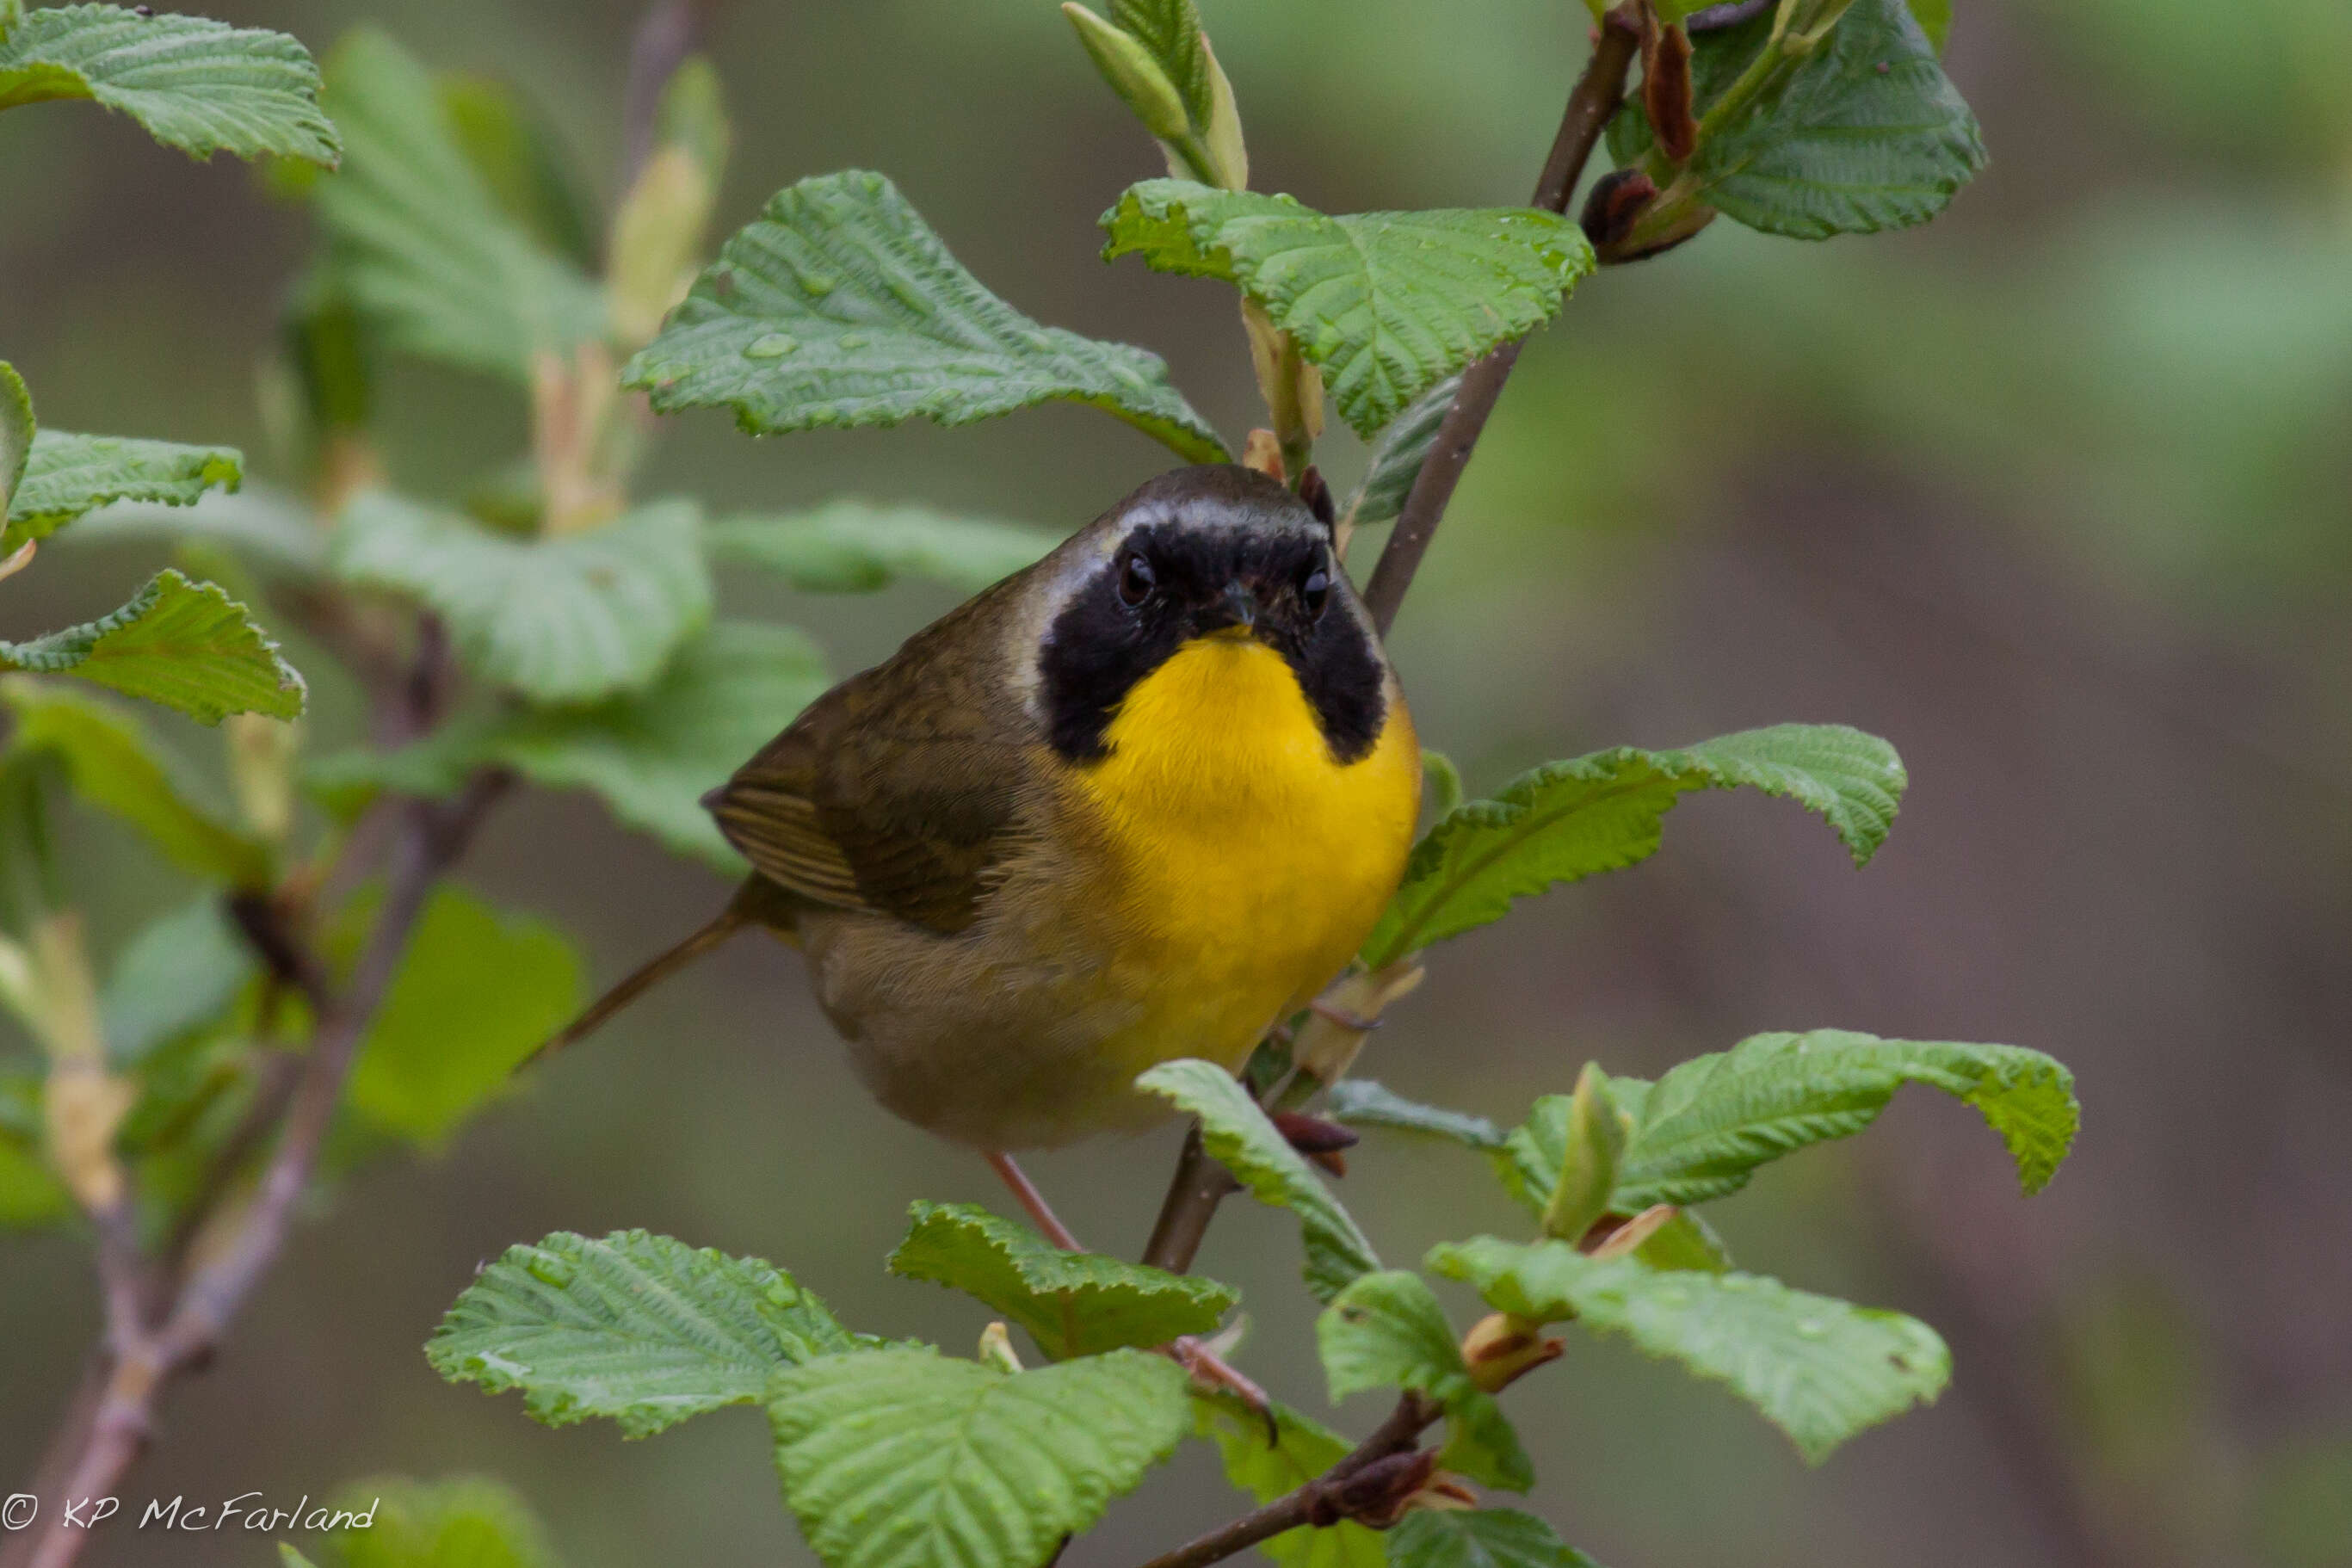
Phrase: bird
(1141,800)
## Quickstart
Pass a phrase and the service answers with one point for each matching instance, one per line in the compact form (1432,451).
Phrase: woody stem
(1199,1184)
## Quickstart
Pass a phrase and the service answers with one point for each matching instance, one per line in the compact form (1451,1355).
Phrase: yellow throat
(1250,863)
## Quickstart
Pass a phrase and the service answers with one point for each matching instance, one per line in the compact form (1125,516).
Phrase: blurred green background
(2053,493)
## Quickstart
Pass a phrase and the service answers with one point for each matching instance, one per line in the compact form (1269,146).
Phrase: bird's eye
(1135,578)
(1316,591)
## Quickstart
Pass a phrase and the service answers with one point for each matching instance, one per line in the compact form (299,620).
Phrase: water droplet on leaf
(771,345)
(549,1269)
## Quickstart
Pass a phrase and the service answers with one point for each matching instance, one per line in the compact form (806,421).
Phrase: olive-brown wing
(900,789)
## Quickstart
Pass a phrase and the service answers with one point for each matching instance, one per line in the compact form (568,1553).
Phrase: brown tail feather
(647,975)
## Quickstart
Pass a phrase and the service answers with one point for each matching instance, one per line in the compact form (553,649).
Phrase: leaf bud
(1132,73)
(1588,1169)
(1499,1348)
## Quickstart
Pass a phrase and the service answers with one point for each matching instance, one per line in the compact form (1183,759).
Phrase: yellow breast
(1247,864)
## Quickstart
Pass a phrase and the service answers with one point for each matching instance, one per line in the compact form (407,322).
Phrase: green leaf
(290,1556)
(1302,1449)
(904,1458)
(1170,32)
(1389,304)
(570,618)
(331,354)
(1072,1303)
(200,86)
(1935,20)
(417,238)
(1141,81)
(16,431)
(841,307)
(267,531)
(1398,455)
(1239,1136)
(1867,134)
(179,974)
(31,1196)
(651,757)
(637,1327)
(1360,1102)
(194,1094)
(1685,1243)
(464,1522)
(1819,1369)
(852,546)
(1532,1153)
(475,993)
(65,475)
(1480,1538)
(1592,1145)
(1386,1330)
(118,767)
(522,162)
(185,644)
(1441,782)
(1535,1153)
(1863,134)
(1568,820)
(1529,1166)
(1705,1126)
(11,12)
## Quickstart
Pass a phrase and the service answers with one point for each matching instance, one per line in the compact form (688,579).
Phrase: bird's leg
(1188,1353)
(1034,1202)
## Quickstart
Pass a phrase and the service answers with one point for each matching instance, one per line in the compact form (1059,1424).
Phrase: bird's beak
(1235,611)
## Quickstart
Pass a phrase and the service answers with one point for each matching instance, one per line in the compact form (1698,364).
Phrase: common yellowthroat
(1137,802)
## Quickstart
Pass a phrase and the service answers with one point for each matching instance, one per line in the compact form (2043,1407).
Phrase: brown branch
(1595,99)
(262,920)
(110,1437)
(432,839)
(1361,1483)
(1199,1184)
(1198,1187)
(123,1280)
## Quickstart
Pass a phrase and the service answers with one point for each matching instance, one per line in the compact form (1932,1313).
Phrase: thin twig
(279,1076)
(1199,1184)
(1597,95)
(262,921)
(1326,1499)
(123,1274)
(1716,18)
(115,1429)
(433,838)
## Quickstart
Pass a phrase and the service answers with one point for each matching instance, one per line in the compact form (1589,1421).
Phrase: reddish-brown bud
(1617,200)
(1666,87)
(1377,1494)
(1499,1349)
